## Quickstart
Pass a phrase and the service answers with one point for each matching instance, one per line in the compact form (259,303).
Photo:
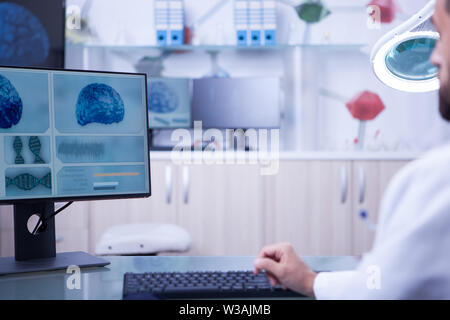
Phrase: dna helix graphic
(28,182)
(35,147)
(17,145)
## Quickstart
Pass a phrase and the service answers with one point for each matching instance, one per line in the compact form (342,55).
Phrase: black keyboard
(201,285)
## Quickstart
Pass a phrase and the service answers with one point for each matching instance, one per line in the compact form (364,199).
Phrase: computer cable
(42,223)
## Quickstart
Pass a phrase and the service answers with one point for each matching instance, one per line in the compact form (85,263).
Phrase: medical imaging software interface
(70,134)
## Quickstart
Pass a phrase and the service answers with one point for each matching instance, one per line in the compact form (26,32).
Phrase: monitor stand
(38,252)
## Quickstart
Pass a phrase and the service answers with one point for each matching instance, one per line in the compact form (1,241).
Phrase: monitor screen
(237,103)
(169,103)
(72,135)
(32,33)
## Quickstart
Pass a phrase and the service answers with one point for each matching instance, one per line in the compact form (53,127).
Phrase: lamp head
(401,58)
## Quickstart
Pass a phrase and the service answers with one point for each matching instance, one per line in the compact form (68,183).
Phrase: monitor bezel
(90,198)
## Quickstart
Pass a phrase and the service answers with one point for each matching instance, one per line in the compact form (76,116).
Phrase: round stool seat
(143,239)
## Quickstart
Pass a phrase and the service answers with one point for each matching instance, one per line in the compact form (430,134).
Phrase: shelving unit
(164,51)
(291,57)
(188,47)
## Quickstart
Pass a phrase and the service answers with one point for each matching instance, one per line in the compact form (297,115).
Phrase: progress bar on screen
(119,174)
(105,185)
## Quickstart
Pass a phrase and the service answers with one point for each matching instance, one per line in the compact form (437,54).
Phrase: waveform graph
(100,149)
(80,149)
(29,182)
(26,150)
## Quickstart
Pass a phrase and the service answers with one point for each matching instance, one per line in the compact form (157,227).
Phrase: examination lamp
(401,58)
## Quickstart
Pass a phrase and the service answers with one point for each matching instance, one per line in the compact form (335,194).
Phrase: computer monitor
(65,136)
(169,103)
(32,33)
(237,103)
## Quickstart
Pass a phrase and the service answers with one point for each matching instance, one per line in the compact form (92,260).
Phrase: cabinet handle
(186,185)
(362,185)
(344,185)
(169,182)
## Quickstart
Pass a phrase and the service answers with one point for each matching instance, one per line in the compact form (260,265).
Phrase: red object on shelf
(387,9)
(188,35)
(365,106)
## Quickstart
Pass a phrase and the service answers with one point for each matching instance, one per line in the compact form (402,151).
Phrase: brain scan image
(162,99)
(99,103)
(23,39)
(10,104)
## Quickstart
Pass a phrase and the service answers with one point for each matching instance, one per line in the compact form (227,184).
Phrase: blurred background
(300,67)
(320,65)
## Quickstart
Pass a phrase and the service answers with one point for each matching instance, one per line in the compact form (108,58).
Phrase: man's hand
(284,267)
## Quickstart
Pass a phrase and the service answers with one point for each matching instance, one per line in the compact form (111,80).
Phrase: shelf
(296,155)
(218,48)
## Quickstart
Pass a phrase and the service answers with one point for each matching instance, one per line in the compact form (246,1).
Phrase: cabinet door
(72,228)
(308,204)
(6,231)
(370,180)
(159,208)
(221,207)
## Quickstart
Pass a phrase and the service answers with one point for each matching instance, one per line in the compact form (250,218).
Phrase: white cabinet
(72,228)
(222,208)
(316,205)
(370,180)
(6,231)
(308,203)
(231,209)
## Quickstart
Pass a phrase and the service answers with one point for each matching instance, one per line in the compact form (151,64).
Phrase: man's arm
(283,266)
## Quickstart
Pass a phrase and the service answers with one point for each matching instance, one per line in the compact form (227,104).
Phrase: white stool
(143,239)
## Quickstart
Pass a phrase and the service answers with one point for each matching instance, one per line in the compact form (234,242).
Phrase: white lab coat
(410,258)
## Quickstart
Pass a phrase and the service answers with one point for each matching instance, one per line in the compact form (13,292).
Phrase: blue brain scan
(162,99)
(23,39)
(99,103)
(10,104)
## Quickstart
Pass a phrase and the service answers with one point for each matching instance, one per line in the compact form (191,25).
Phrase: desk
(106,283)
